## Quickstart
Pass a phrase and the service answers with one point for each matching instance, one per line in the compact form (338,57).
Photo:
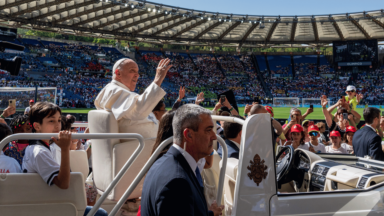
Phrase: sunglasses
(313,133)
(351,91)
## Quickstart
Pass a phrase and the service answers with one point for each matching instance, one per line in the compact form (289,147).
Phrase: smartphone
(294,117)
(222,98)
(345,116)
(311,106)
(256,100)
(12,102)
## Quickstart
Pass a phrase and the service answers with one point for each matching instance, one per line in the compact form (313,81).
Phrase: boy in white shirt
(313,144)
(7,164)
(46,118)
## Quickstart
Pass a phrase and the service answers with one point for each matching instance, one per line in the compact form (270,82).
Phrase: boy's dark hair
(231,130)
(67,121)
(18,120)
(4,132)
(42,110)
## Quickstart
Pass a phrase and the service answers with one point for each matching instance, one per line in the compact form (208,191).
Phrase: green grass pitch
(280,112)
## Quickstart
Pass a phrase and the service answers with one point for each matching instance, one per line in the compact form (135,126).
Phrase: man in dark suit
(366,141)
(232,134)
(173,185)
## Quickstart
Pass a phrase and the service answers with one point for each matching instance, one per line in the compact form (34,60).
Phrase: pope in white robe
(133,113)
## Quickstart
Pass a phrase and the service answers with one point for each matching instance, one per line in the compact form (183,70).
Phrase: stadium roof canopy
(156,23)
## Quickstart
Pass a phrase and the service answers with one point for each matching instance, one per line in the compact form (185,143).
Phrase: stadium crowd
(190,124)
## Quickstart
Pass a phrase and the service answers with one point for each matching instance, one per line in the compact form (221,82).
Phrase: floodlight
(126,5)
(132,6)
(166,12)
(250,21)
(242,21)
(209,18)
(219,19)
(106,0)
(149,9)
(230,20)
(202,18)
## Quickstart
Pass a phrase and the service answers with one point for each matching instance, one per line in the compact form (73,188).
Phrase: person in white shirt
(31,103)
(7,164)
(313,144)
(335,147)
(46,118)
(298,136)
(133,111)
(348,138)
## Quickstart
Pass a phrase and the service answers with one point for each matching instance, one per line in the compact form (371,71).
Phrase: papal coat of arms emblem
(257,168)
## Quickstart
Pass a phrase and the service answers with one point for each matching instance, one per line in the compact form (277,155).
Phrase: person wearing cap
(366,141)
(335,147)
(295,118)
(348,138)
(31,103)
(306,124)
(297,134)
(338,122)
(313,144)
(133,111)
(352,98)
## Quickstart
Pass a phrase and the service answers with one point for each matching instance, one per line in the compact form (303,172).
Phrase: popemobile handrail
(152,159)
(228,119)
(80,125)
(214,117)
(46,136)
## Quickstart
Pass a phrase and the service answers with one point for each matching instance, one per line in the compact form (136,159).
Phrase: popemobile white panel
(256,177)
(331,203)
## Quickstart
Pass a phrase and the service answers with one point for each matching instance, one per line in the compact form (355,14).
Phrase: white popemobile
(261,182)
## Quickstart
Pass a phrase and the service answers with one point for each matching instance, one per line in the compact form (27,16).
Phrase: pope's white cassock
(132,111)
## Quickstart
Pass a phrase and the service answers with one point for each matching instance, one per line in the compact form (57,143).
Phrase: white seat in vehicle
(79,162)
(229,184)
(36,198)
(109,156)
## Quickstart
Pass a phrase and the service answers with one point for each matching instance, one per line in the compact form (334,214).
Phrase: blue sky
(278,7)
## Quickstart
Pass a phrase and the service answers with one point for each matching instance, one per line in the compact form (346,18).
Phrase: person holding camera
(342,118)
(296,118)
(223,102)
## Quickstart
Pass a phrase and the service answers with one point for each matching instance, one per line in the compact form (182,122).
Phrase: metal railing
(80,125)
(152,159)
(214,117)
(45,136)
(228,119)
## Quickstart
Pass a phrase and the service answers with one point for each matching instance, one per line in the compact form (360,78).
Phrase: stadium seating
(280,66)
(207,72)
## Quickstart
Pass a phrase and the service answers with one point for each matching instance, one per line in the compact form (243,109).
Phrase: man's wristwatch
(1,116)
(231,109)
